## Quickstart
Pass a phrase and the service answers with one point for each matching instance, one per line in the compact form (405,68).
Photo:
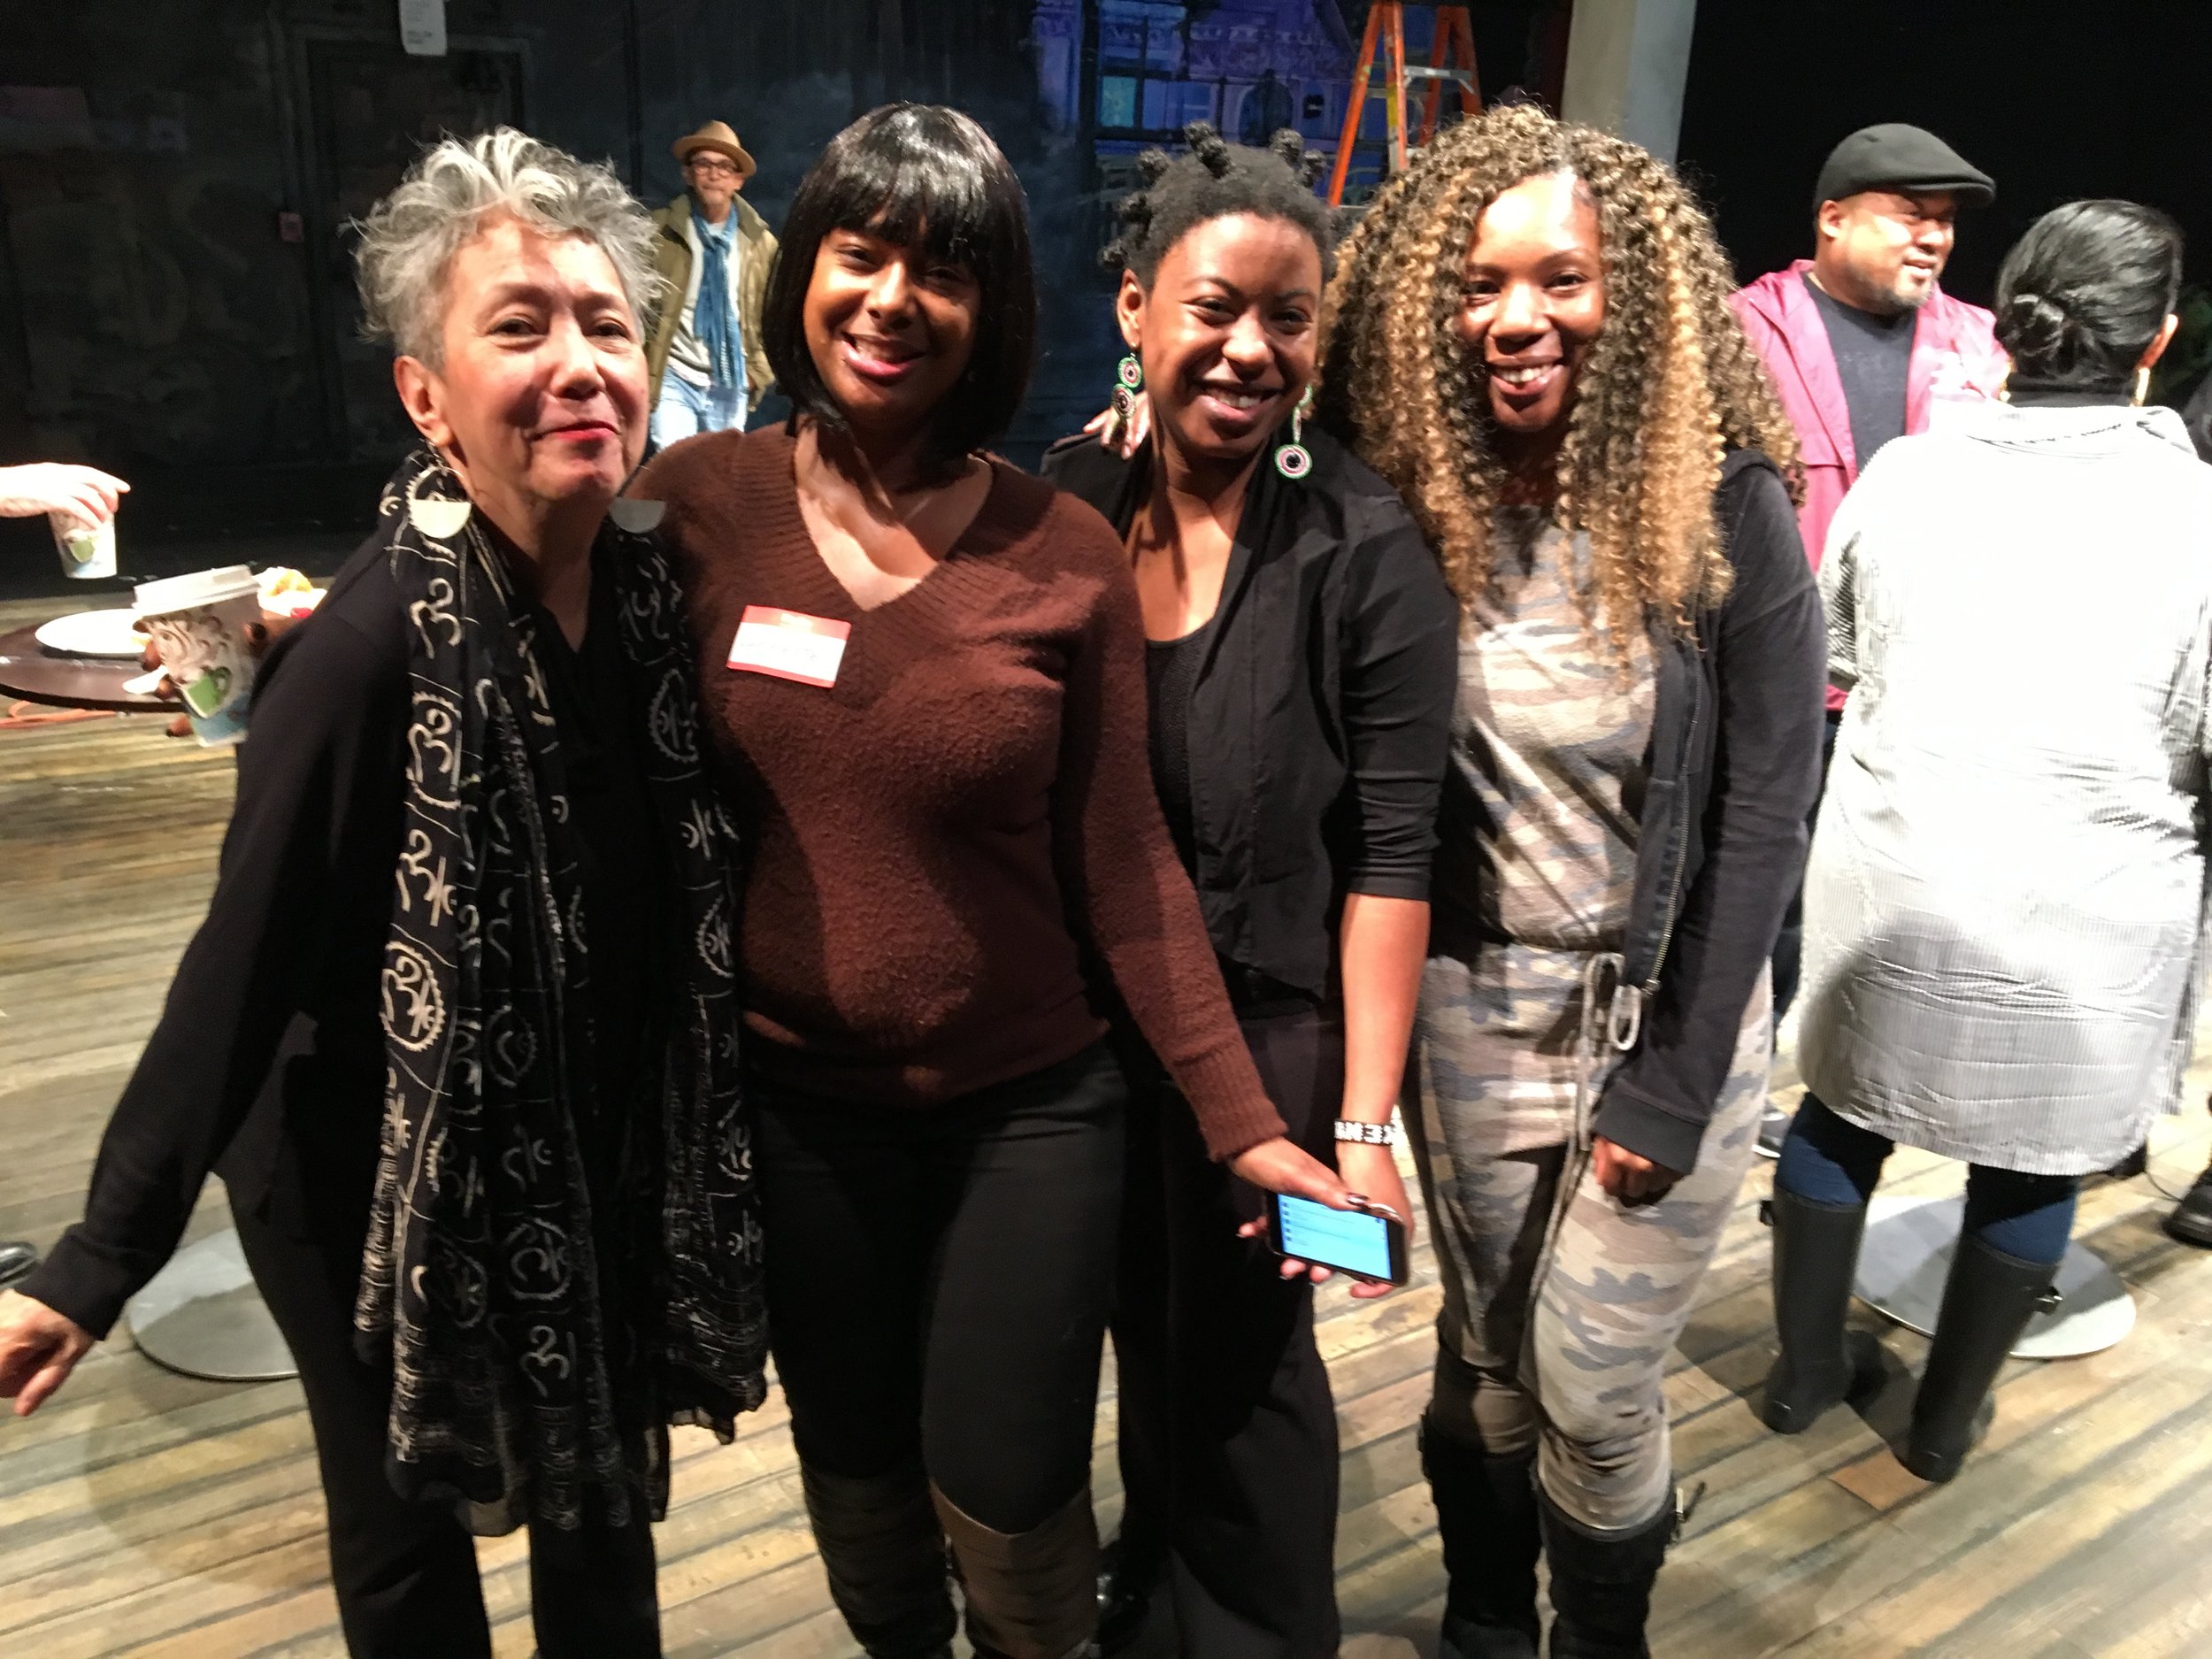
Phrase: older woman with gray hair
(460,1031)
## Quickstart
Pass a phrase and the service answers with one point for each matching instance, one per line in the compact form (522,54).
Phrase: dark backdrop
(2055,101)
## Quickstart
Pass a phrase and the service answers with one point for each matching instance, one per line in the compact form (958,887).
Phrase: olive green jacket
(671,258)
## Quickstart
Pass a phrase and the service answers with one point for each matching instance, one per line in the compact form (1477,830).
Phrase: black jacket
(267,1066)
(1734,773)
(1320,724)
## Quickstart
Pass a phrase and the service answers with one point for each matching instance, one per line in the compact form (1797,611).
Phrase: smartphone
(1368,1243)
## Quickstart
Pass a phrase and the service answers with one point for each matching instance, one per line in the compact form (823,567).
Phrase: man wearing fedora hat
(703,349)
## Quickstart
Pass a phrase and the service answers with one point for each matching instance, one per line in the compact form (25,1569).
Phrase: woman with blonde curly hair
(1531,341)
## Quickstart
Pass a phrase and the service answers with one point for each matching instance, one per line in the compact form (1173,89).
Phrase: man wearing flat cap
(1865,346)
(704,349)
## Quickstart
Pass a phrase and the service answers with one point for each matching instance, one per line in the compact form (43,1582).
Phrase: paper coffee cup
(88,550)
(200,622)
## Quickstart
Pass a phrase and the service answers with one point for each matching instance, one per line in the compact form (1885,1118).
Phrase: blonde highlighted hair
(1669,385)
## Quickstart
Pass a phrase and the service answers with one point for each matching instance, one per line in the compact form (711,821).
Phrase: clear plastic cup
(200,622)
(88,550)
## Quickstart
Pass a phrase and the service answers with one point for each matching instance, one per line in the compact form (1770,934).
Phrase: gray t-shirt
(1874,356)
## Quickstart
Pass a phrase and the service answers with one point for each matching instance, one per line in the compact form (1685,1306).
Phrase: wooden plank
(152,1515)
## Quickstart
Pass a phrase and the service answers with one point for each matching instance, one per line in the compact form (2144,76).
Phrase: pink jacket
(1955,358)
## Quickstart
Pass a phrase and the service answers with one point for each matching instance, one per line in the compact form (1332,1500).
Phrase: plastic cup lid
(201,588)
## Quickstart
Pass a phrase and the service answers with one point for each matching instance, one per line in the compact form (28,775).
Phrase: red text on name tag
(789,645)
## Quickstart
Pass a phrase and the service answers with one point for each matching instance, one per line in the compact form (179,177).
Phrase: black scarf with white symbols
(539,1354)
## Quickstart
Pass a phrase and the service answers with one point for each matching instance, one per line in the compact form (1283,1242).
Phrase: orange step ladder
(1454,39)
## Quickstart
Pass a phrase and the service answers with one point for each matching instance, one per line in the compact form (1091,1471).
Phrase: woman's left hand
(1372,1172)
(1629,1176)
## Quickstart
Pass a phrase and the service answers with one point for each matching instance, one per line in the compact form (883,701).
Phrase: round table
(1906,1258)
(200,1315)
(29,670)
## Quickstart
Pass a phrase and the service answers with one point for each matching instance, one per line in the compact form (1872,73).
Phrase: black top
(267,1066)
(1171,670)
(620,861)
(1721,839)
(1319,716)
(1874,356)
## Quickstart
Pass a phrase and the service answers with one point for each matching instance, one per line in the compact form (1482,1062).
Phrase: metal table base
(1906,1256)
(202,1316)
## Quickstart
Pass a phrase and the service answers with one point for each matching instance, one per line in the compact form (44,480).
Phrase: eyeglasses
(713,167)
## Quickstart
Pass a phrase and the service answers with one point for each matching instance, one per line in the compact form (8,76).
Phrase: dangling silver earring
(1294,459)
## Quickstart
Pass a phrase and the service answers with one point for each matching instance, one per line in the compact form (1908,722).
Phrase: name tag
(789,645)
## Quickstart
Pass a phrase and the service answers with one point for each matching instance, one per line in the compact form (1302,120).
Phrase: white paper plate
(94,633)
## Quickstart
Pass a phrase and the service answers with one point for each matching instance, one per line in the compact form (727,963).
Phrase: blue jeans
(1832,1162)
(684,410)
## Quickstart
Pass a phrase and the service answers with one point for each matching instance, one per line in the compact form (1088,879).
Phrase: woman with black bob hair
(923,683)
(1298,649)
(2004,904)
(915,179)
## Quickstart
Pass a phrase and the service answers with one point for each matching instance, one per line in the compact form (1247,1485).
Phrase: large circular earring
(1294,459)
(1128,381)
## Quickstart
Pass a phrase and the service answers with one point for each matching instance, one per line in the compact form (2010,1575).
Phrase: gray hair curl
(409,239)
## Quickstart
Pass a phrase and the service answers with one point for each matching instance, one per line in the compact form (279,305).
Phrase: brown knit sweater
(937,842)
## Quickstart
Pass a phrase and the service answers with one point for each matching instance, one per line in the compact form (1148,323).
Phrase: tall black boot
(17,1259)
(1601,1584)
(1987,1303)
(884,1550)
(1485,1518)
(1821,1364)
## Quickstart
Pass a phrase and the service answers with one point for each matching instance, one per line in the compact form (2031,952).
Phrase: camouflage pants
(1560,1302)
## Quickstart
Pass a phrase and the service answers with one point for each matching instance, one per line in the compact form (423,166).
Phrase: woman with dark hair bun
(2006,890)
(921,677)
(1299,650)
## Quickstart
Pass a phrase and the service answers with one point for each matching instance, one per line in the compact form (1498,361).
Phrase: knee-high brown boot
(885,1553)
(1034,1594)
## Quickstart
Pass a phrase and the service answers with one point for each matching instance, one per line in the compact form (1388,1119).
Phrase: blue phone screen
(1347,1239)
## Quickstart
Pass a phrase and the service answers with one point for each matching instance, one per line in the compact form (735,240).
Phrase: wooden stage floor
(148,1514)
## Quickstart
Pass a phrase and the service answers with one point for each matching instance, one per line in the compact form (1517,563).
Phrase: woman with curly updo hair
(1298,649)
(1531,339)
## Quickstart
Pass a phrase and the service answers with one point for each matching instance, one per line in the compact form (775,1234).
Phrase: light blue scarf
(713,319)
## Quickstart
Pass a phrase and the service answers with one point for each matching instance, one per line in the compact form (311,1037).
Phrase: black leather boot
(881,1545)
(1821,1364)
(1601,1584)
(17,1259)
(1987,1303)
(1486,1518)
(1128,1572)
(2191,1221)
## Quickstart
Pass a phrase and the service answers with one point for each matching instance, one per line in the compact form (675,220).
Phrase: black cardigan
(1320,722)
(269,1055)
(267,1066)
(1735,770)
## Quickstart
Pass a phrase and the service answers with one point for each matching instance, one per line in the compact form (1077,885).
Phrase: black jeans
(405,1571)
(938,1280)
(1228,1430)
(1789,945)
